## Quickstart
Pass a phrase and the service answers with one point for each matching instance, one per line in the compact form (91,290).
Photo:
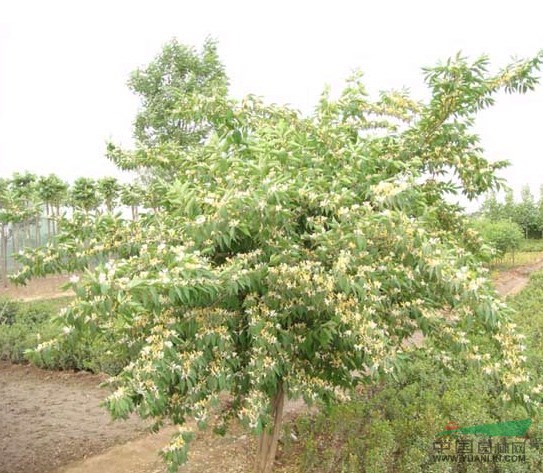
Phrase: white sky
(64,65)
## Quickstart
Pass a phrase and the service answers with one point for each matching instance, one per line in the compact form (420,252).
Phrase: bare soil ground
(42,288)
(52,422)
(49,418)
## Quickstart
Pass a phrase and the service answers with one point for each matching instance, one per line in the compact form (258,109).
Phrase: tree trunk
(14,235)
(55,220)
(267,447)
(38,230)
(4,252)
(48,217)
(28,236)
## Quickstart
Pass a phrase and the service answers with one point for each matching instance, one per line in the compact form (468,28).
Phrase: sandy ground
(52,422)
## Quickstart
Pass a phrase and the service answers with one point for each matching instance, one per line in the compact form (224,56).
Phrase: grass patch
(531,245)
(520,258)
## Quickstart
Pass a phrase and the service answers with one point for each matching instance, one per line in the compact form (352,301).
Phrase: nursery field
(51,421)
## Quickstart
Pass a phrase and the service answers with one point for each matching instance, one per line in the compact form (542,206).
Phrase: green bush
(8,309)
(503,236)
(24,325)
(97,355)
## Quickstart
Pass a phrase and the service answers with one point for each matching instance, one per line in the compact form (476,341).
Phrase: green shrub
(503,236)
(8,309)
(24,325)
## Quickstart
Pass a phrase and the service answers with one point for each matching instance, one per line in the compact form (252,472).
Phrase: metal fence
(19,237)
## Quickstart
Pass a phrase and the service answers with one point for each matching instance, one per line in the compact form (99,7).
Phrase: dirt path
(58,416)
(209,453)
(229,454)
(512,281)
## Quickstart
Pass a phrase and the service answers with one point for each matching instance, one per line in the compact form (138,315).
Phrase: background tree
(4,228)
(109,190)
(525,213)
(23,186)
(492,209)
(292,256)
(180,91)
(131,196)
(53,192)
(84,194)
(509,206)
(539,218)
(169,88)
(25,210)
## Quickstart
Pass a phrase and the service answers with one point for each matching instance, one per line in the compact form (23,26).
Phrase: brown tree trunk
(267,447)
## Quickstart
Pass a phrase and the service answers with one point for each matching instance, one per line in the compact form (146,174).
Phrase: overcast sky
(64,65)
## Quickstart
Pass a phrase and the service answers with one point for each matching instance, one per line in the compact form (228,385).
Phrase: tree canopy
(527,213)
(292,255)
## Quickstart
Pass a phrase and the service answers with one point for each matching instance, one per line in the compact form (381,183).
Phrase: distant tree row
(527,213)
(31,207)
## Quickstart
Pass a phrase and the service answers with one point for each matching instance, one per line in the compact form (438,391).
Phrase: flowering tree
(293,256)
